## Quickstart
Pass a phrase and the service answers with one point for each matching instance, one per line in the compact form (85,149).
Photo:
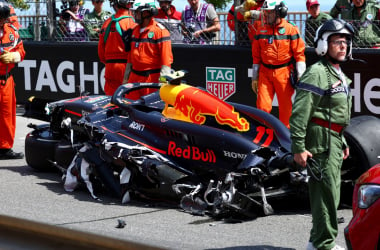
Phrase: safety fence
(49,23)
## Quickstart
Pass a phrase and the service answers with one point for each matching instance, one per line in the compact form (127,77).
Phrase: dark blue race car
(184,144)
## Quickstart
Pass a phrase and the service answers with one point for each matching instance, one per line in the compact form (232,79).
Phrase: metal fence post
(50,5)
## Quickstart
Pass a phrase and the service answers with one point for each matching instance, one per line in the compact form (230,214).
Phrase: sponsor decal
(234,155)
(221,82)
(191,153)
(137,126)
(337,90)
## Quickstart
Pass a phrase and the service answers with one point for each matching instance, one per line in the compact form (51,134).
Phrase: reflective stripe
(278,37)
(311,88)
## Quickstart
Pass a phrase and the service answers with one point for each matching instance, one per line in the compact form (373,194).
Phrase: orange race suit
(113,48)
(150,50)
(276,49)
(11,42)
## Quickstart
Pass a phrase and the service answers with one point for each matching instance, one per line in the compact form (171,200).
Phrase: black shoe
(10,154)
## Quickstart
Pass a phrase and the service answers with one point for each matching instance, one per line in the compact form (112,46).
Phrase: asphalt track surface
(40,197)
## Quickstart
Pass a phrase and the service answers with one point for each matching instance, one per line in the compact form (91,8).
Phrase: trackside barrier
(18,233)
(53,71)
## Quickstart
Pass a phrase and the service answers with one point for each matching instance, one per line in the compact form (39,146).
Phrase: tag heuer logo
(221,82)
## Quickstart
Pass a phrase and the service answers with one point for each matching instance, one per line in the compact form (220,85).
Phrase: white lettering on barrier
(368,94)
(27,64)
(67,86)
(88,77)
(355,92)
(45,77)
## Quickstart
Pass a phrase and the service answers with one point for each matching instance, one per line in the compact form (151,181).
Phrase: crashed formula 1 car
(184,144)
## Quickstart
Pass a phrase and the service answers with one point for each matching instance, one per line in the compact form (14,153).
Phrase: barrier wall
(56,71)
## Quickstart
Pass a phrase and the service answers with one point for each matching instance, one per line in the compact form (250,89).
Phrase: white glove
(240,8)
(165,70)
(127,72)
(252,14)
(255,71)
(10,57)
(301,67)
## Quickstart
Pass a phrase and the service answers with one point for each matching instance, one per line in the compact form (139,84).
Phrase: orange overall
(150,50)
(112,52)
(276,49)
(10,41)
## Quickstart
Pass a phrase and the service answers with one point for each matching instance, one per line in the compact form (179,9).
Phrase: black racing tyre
(65,152)
(363,137)
(40,147)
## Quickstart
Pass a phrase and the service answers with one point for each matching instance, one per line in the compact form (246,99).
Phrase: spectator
(171,19)
(316,19)
(93,21)
(12,52)
(151,50)
(200,22)
(321,111)
(71,22)
(276,47)
(365,16)
(342,7)
(114,44)
(245,19)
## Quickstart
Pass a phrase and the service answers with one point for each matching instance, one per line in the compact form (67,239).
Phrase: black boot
(10,154)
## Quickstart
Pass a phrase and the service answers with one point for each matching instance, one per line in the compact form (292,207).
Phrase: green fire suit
(366,25)
(342,7)
(322,94)
(93,23)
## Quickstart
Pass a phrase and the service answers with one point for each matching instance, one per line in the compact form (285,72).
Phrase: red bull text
(193,153)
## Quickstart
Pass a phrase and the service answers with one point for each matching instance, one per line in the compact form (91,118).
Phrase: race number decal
(261,132)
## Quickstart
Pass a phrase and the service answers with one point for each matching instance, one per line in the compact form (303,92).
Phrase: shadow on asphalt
(53,181)
(260,247)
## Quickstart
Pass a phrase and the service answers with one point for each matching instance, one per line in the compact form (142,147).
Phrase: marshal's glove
(10,57)
(254,85)
(245,6)
(252,14)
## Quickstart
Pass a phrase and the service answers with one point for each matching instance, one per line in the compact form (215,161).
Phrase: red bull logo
(193,153)
(195,104)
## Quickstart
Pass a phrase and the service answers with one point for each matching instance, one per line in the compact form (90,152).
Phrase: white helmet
(332,27)
(139,3)
(278,5)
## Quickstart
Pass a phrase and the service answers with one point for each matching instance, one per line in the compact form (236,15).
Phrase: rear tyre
(362,136)
(40,147)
